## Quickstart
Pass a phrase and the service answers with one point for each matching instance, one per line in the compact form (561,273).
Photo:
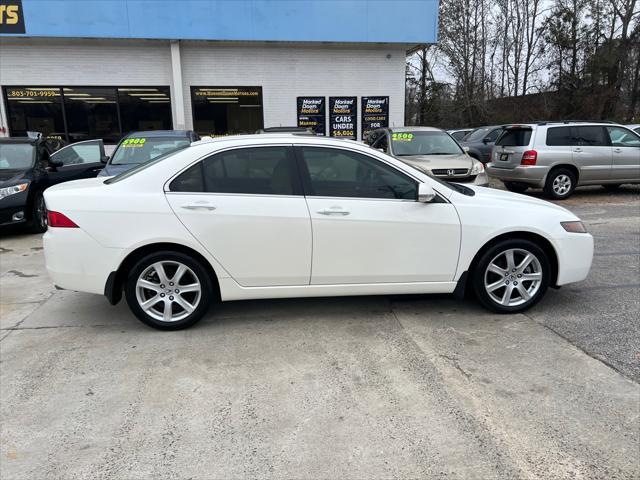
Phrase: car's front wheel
(511,276)
(169,290)
(38,214)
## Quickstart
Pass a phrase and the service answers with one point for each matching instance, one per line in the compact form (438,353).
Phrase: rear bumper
(531,175)
(75,261)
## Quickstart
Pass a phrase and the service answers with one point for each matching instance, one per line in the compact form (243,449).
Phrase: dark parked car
(480,141)
(299,130)
(141,147)
(28,165)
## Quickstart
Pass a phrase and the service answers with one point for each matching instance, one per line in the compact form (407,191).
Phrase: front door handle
(332,211)
(577,149)
(617,150)
(198,206)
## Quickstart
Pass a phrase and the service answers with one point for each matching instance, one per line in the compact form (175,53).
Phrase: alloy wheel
(40,212)
(513,277)
(561,184)
(168,291)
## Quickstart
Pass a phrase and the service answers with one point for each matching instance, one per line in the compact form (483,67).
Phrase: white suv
(560,156)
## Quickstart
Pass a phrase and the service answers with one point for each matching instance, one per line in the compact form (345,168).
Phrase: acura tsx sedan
(285,215)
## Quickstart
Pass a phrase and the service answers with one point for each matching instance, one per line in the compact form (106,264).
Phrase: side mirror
(486,140)
(466,149)
(55,163)
(104,158)
(426,193)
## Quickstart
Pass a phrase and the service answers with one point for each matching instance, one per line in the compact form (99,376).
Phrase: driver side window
(342,173)
(382,143)
(79,153)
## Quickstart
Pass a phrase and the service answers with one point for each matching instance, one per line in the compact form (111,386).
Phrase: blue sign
(397,21)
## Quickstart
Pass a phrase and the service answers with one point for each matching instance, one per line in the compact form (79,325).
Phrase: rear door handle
(577,149)
(197,206)
(331,211)
(617,150)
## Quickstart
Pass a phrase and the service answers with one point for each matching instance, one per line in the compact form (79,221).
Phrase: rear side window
(559,136)
(591,136)
(515,137)
(263,170)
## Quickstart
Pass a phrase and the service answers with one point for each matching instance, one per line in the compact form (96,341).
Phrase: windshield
(139,150)
(16,156)
(477,135)
(424,143)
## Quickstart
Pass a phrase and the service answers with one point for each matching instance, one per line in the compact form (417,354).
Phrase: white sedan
(276,216)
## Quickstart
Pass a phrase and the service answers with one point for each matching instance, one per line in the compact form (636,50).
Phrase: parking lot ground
(361,387)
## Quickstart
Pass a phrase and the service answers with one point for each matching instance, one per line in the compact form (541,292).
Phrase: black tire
(516,187)
(196,273)
(480,277)
(612,186)
(560,183)
(38,222)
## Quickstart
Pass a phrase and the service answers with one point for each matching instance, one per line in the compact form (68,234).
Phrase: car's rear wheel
(560,184)
(168,290)
(516,187)
(511,276)
(38,214)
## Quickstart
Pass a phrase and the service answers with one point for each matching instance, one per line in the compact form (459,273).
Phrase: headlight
(477,168)
(574,227)
(6,191)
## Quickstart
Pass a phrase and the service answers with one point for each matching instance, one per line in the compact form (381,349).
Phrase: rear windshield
(136,150)
(515,137)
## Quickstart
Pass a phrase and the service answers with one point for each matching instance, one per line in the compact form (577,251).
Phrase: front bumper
(7,215)
(575,255)
(533,175)
(480,180)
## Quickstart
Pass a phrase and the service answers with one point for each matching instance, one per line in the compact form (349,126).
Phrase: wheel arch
(115,282)
(568,166)
(536,238)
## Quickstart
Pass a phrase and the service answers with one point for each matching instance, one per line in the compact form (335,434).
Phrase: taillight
(60,220)
(530,157)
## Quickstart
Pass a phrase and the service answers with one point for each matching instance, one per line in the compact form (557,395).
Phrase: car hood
(438,161)
(492,196)
(11,177)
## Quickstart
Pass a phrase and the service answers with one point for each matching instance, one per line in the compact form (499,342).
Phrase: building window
(35,110)
(91,113)
(74,114)
(221,111)
(145,109)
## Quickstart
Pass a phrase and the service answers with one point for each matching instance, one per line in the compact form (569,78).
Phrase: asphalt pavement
(362,387)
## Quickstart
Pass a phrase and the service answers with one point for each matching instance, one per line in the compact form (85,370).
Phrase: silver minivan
(560,156)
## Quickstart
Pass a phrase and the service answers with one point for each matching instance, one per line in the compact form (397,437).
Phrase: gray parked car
(560,156)
(459,134)
(480,141)
(431,150)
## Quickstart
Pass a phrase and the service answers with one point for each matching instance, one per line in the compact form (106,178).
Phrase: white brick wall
(284,71)
(287,71)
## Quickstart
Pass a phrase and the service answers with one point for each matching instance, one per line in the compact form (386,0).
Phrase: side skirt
(230,290)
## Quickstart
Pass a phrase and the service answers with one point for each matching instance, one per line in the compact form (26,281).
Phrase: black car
(480,141)
(141,147)
(28,165)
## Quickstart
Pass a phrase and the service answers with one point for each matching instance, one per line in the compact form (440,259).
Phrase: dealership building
(78,70)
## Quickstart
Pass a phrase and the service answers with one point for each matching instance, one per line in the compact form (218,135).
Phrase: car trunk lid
(511,145)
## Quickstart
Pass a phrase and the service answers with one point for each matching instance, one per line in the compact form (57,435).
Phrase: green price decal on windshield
(402,137)
(133,142)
